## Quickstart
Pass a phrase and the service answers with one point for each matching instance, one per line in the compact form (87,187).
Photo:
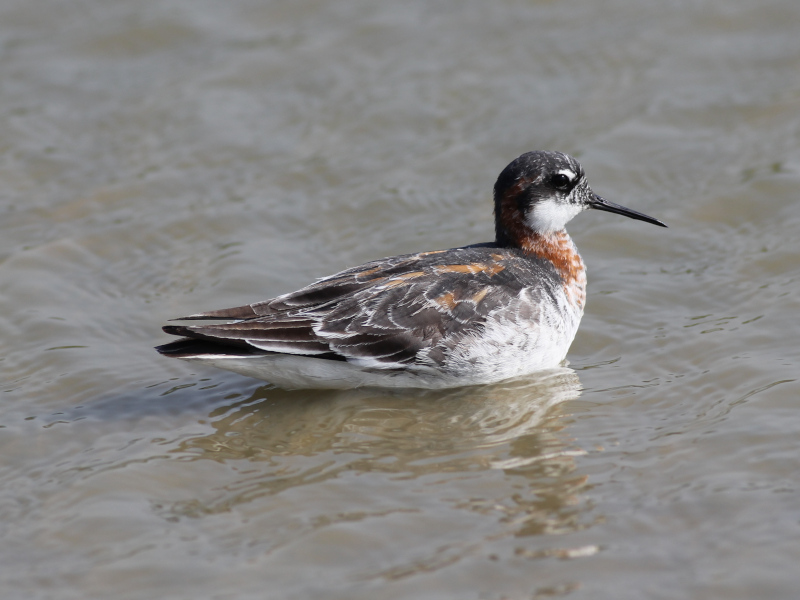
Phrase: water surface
(162,158)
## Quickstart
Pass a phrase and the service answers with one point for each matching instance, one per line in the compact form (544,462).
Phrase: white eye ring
(569,173)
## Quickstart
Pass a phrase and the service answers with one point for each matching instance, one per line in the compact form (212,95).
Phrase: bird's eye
(560,181)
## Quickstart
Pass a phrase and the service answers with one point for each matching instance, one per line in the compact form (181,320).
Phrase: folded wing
(382,314)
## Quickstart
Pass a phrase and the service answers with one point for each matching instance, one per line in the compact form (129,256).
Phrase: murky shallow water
(158,158)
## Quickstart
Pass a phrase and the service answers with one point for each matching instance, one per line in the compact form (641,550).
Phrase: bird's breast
(559,250)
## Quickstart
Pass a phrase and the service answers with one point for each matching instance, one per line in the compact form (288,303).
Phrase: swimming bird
(445,318)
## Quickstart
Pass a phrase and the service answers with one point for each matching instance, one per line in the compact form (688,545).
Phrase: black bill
(602,204)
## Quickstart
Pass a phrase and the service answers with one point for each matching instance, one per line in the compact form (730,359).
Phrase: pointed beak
(602,204)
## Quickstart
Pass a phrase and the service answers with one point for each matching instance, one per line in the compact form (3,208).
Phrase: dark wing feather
(326,290)
(384,312)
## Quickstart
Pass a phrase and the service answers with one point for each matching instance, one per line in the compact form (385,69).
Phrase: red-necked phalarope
(471,315)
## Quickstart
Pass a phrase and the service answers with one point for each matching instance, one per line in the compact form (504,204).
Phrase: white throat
(548,216)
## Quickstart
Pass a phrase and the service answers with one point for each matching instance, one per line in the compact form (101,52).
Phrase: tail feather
(238,312)
(196,348)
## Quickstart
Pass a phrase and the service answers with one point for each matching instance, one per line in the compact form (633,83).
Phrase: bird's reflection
(304,438)
(461,428)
